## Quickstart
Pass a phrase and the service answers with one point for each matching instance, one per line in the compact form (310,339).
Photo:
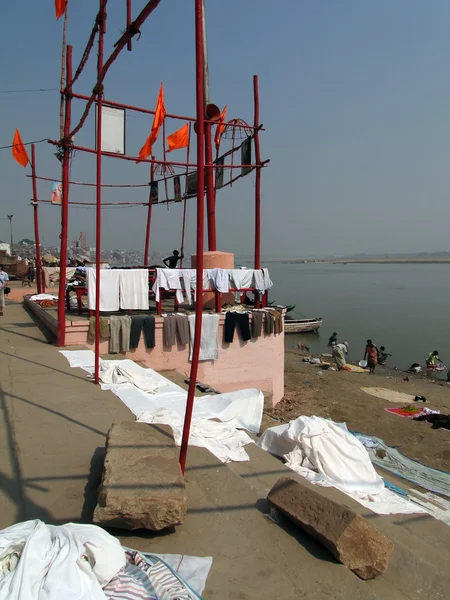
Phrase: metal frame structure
(204,166)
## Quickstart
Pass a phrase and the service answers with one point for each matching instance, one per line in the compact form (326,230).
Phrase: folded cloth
(104,329)
(114,374)
(209,341)
(168,279)
(109,289)
(133,288)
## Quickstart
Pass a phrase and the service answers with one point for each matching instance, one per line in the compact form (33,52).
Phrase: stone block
(142,484)
(351,539)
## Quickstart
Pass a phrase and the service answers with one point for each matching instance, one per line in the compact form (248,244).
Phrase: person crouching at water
(3,279)
(339,352)
(431,360)
(332,340)
(382,355)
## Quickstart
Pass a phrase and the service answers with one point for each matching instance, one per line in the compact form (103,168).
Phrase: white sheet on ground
(234,410)
(114,374)
(46,562)
(40,297)
(327,454)
(193,569)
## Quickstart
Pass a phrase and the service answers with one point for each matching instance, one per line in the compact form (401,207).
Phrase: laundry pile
(217,420)
(41,297)
(74,562)
(412,411)
(327,454)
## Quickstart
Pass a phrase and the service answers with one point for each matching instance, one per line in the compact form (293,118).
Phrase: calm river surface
(403,307)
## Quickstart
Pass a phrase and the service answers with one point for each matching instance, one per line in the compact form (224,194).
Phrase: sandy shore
(338,395)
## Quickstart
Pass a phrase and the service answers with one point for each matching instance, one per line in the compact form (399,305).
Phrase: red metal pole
(210,192)
(61,338)
(258,176)
(98,231)
(149,217)
(200,227)
(129,42)
(36,220)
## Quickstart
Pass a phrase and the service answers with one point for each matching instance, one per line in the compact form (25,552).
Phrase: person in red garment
(371,353)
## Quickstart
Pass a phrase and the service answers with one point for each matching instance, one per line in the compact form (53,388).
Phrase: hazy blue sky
(355,97)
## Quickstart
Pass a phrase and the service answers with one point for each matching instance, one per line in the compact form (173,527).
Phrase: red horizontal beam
(94,203)
(108,185)
(156,162)
(148,111)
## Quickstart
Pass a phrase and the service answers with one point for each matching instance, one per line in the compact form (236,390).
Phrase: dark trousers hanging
(242,321)
(137,325)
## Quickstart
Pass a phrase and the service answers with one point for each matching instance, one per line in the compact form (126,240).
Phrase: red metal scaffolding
(206,118)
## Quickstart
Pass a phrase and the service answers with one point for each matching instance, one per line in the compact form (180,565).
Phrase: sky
(355,100)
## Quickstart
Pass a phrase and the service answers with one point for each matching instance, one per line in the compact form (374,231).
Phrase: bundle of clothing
(73,562)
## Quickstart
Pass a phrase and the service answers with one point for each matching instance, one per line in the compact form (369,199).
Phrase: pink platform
(257,363)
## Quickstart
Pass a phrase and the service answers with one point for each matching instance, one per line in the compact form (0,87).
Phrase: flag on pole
(179,139)
(158,119)
(220,126)
(60,8)
(18,150)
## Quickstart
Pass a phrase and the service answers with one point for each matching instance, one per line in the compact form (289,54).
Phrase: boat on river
(302,325)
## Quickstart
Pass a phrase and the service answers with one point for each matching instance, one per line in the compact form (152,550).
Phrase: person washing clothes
(172,261)
(340,352)
(332,340)
(432,358)
(382,355)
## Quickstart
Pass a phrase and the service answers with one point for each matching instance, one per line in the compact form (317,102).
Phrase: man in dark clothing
(333,339)
(172,261)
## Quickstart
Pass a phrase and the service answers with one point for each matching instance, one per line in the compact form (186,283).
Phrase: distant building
(5,247)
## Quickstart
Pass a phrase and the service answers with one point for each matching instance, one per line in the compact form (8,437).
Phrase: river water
(403,307)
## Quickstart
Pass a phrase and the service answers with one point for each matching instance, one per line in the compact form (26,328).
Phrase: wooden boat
(302,325)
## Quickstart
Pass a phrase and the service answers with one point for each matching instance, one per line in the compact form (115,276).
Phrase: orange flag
(158,119)
(179,139)
(60,8)
(220,126)
(18,150)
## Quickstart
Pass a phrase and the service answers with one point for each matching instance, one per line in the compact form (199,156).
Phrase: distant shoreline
(363,261)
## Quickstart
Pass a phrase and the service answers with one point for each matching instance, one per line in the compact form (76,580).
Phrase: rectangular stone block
(351,539)
(142,484)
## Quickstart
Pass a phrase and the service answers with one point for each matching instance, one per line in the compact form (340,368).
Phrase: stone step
(419,564)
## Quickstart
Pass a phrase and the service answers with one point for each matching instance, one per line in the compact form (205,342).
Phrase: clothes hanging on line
(209,340)
(277,317)
(219,278)
(120,334)
(109,289)
(257,321)
(241,319)
(104,329)
(137,325)
(168,279)
(133,289)
(176,327)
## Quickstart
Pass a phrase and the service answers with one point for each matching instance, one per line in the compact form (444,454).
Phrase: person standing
(172,261)
(3,279)
(372,357)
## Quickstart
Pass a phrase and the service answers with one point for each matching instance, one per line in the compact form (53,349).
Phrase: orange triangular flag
(179,139)
(18,150)
(220,126)
(158,119)
(60,8)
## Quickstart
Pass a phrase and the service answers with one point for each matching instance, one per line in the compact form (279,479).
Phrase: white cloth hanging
(168,279)
(133,288)
(219,278)
(241,278)
(209,341)
(109,289)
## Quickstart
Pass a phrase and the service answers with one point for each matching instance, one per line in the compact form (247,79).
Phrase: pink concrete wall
(257,363)
(215,260)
